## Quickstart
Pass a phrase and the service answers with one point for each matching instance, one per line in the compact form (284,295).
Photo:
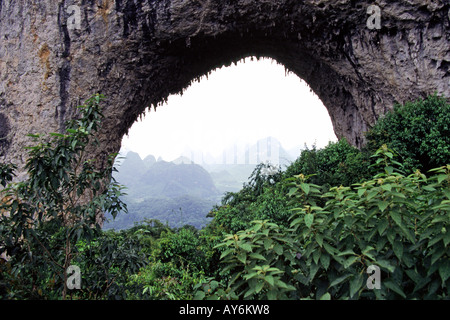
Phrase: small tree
(60,203)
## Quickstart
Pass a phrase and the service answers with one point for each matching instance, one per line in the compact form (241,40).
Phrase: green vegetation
(418,131)
(309,232)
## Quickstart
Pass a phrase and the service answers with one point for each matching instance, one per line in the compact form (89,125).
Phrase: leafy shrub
(338,163)
(419,131)
(260,261)
(183,245)
(262,197)
(396,222)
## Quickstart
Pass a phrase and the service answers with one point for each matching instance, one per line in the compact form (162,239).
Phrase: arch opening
(215,133)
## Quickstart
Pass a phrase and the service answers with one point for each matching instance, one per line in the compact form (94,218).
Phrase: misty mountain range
(181,191)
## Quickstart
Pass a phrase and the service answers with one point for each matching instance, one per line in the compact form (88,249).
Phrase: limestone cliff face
(55,54)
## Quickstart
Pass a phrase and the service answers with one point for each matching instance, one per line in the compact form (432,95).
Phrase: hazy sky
(242,103)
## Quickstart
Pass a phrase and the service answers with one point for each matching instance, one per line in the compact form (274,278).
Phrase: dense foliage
(419,131)
(45,217)
(337,164)
(315,231)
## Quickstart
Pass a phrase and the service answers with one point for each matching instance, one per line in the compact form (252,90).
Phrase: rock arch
(358,60)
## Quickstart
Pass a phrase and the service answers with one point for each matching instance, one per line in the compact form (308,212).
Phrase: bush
(338,163)
(260,261)
(419,131)
(395,222)
(182,247)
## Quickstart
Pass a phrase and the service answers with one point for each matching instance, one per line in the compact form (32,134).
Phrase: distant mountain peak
(183,160)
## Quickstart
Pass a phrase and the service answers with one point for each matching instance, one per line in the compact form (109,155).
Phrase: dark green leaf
(390,284)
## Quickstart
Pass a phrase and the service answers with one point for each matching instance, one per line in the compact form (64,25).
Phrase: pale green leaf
(326,296)
(309,219)
(305,187)
(247,247)
(257,256)
(269,279)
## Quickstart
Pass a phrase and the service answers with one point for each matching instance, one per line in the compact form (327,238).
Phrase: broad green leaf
(339,280)
(398,249)
(250,291)
(267,243)
(361,192)
(272,294)
(350,261)
(385,264)
(329,248)
(251,275)
(371,195)
(443,218)
(309,219)
(278,248)
(292,191)
(390,284)
(446,237)
(346,252)
(257,256)
(297,221)
(441,177)
(389,169)
(325,260)
(413,275)
(444,271)
(269,279)
(319,239)
(435,240)
(447,193)
(316,256)
(382,205)
(247,247)
(382,225)
(428,188)
(397,218)
(313,270)
(326,296)
(305,187)
(281,284)
(355,284)
(199,295)
(437,254)
(259,286)
(242,257)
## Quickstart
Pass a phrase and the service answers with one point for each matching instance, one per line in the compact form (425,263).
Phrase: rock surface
(56,54)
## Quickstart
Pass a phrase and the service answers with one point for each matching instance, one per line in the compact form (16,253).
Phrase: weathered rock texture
(138,52)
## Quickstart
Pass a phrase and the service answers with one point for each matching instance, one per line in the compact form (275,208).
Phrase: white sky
(242,103)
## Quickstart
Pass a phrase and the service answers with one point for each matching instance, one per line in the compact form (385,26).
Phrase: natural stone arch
(138,52)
